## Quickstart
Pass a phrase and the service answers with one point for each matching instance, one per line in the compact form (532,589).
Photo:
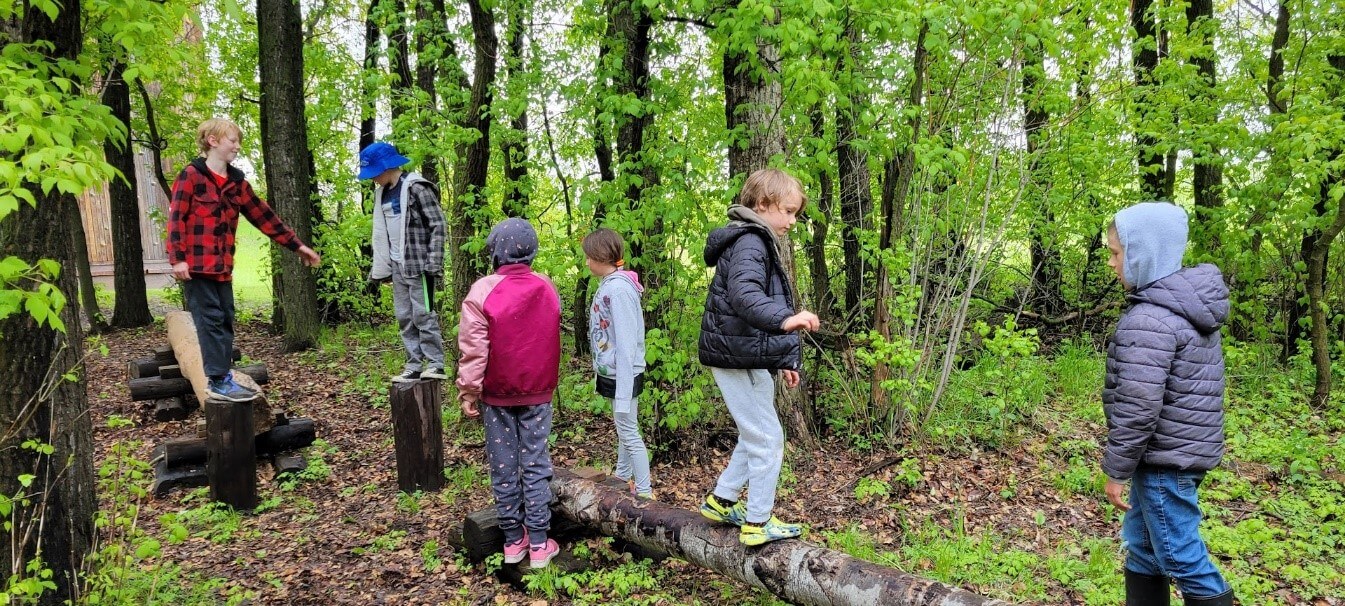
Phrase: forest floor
(1022,522)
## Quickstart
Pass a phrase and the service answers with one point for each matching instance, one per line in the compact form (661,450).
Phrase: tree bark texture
(794,570)
(1207,179)
(1044,292)
(289,177)
(1152,167)
(131,306)
(418,434)
(514,145)
(473,157)
(35,402)
(429,33)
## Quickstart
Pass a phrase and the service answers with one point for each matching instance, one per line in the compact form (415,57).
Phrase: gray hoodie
(1164,389)
(616,332)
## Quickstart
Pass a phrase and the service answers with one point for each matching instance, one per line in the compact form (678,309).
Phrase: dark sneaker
(229,391)
(736,515)
(407,376)
(435,372)
(773,530)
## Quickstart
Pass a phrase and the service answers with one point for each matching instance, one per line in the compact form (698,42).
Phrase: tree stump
(231,459)
(418,433)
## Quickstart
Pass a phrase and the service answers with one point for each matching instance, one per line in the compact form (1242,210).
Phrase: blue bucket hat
(378,157)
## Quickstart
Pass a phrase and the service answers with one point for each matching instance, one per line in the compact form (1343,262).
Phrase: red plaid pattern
(203,219)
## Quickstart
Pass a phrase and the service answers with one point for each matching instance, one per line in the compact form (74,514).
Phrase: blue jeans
(1161,532)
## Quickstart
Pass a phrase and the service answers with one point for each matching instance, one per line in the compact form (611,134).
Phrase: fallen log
(187,352)
(299,433)
(139,368)
(170,382)
(287,465)
(793,569)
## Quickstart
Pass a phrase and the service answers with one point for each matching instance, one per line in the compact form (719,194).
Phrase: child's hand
(804,320)
(182,271)
(310,257)
(468,405)
(1114,492)
(791,378)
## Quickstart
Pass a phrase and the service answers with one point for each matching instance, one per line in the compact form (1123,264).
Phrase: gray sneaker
(407,376)
(434,372)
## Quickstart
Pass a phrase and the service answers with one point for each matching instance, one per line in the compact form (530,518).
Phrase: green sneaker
(772,530)
(712,510)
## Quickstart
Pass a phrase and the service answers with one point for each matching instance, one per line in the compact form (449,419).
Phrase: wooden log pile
(236,434)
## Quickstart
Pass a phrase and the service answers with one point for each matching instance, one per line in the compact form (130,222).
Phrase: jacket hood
(1197,294)
(627,275)
(1153,237)
(234,174)
(742,220)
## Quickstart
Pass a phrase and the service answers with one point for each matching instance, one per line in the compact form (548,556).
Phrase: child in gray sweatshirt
(616,333)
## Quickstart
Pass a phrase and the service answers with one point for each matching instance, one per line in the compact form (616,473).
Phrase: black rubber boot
(1145,590)
(1223,599)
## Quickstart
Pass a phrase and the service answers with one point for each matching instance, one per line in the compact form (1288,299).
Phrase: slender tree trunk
(823,300)
(473,158)
(514,145)
(36,403)
(1277,106)
(892,206)
(131,308)
(369,102)
(1044,293)
(87,296)
(852,170)
(429,47)
(752,101)
(1317,250)
(399,58)
(288,160)
(602,154)
(1153,169)
(1208,179)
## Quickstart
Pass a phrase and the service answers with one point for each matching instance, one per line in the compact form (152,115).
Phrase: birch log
(187,352)
(794,570)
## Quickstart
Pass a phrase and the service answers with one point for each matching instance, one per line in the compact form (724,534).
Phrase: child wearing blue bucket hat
(408,239)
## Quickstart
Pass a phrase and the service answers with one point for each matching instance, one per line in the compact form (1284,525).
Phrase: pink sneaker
(541,555)
(514,552)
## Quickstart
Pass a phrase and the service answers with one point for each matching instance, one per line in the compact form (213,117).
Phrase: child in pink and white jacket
(509,336)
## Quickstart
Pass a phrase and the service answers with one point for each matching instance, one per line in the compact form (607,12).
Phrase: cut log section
(176,408)
(288,465)
(418,435)
(794,570)
(140,368)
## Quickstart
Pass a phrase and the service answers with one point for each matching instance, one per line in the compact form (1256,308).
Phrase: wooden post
(231,453)
(418,432)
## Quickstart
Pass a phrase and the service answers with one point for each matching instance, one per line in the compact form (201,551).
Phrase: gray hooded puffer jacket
(1164,391)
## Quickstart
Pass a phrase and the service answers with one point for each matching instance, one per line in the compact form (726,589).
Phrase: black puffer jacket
(1164,391)
(748,300)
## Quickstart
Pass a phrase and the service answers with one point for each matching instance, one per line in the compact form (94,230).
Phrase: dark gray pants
(520,468)
(211,303)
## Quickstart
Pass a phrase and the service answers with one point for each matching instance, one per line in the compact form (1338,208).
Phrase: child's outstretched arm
(1143,350)
(474,344)
(260,214)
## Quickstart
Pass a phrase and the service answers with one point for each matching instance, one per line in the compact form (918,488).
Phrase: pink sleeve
(473,341)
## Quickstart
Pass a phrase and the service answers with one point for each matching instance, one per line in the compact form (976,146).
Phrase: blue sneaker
(229,391)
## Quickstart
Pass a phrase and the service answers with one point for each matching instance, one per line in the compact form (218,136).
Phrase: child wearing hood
(1163,399)
(616,334)
(749,336)
(509,336)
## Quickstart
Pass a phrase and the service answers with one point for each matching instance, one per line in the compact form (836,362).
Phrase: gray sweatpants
(520,468)
(413,303)
(755,464)
(632,458)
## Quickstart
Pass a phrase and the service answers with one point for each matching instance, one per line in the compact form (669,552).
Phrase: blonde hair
(215,127)
(768,187)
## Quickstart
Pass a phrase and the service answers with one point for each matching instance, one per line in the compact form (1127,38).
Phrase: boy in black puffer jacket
(1164,400)
(747,335)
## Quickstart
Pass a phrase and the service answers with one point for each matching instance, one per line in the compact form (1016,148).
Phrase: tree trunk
(1044,293)
(794,570)
(752,102)
(473,157)
(429,46)
(36,403)
(131,308)
(514,145)
(1317,246)
(87,296)
(1153,169)
(369,102)
(399,58)
(893,205)
(852,169)
(823,301)
(1208,179)
(288,161)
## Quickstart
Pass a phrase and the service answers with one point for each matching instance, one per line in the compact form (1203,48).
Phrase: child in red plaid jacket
(207,198)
